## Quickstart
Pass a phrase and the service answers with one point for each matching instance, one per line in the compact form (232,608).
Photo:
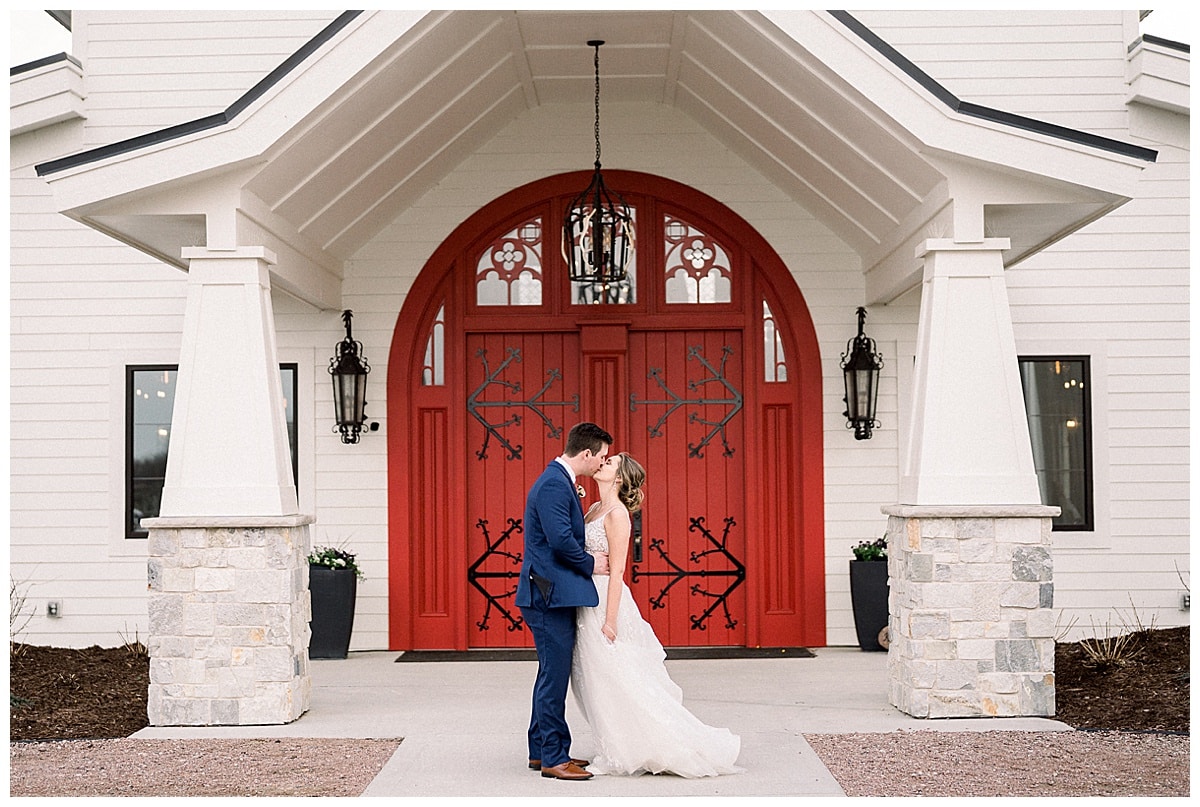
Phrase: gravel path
(211,767)
(1003,763)
(903,763)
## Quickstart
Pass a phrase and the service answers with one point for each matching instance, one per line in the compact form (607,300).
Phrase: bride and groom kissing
(590,635)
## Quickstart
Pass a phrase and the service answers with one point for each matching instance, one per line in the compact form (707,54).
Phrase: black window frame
(1089,473)
(130,370)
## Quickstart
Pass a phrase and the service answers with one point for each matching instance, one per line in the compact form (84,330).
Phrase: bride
(617,674)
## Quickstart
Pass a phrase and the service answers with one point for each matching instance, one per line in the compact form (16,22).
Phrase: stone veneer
(971,623)
(229,612)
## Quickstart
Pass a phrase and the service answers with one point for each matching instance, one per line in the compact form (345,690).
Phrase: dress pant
(554,636)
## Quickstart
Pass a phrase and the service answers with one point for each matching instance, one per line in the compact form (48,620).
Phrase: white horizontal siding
(1146,591)
(1064,67)
(147,69)
(1143,474)
(76,296)
(97,608)
(1122,285)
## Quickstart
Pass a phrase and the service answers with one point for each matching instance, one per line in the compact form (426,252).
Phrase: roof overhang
(327,150)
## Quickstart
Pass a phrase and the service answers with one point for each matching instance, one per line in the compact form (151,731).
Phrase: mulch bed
(1149,692)
(67,694)
(58,693)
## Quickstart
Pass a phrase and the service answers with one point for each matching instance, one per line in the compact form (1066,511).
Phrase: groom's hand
(601,566)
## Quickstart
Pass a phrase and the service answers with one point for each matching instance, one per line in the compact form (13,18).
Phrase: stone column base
(971,619)
(229,613)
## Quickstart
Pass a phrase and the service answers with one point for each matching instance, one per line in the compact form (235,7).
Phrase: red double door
(673,400)
(704,367)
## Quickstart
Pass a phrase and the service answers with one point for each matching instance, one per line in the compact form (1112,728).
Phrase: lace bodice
(595,539)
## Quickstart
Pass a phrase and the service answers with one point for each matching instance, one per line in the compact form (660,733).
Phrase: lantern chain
(597,127)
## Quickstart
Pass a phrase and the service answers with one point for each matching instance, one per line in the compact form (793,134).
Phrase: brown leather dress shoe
(567,770)
(536,764)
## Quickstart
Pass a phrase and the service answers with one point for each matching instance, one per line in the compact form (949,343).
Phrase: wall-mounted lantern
(860,370)
(349,370)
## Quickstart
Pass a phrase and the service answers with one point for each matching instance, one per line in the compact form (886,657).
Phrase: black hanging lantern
(349,370)
(598,230)
(860,370)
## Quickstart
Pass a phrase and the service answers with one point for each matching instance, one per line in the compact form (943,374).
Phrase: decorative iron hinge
(474,576)
(734,401)
(474,405)
(720,599)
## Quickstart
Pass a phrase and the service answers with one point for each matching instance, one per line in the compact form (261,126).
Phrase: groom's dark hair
(586,437)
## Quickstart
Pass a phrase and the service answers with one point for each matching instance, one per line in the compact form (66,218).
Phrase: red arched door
(703,365)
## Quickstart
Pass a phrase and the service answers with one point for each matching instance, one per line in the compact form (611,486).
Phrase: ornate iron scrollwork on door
(738,573)
(734,401)
(474,405)
(720,599)
(474,576)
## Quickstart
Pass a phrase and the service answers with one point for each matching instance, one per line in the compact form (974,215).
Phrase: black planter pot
(333,592)
(869,596)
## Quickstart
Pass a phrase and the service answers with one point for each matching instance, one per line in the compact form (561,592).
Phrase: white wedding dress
(634,708)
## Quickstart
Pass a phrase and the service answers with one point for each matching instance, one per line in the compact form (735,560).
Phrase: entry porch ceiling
(451,83)
(392,102)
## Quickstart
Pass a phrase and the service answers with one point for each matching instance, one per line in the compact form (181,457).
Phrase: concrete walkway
(463,724)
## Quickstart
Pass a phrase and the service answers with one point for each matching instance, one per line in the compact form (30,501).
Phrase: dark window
(150,399)
(287,373)
(1058,405)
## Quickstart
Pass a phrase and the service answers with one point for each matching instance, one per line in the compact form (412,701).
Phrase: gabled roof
(387,103)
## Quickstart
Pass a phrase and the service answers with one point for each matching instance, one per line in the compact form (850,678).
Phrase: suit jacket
(555,560)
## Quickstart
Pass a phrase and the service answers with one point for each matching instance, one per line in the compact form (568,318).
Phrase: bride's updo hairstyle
(632,476)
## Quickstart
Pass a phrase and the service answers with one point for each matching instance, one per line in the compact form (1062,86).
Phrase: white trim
(971,511)
(906,362)
(244,139)
(219,522)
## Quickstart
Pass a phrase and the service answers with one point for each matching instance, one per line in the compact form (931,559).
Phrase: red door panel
(686,428)
(522,398)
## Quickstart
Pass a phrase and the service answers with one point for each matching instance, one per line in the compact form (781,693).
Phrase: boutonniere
(579,489)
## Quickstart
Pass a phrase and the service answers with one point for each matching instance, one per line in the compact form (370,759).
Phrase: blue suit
(556,577)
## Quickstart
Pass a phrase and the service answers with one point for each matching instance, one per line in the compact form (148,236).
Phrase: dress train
(634,708)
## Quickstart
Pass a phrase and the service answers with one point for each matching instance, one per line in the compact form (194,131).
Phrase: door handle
(637,537)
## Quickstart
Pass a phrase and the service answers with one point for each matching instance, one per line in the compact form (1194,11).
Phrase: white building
(197,196)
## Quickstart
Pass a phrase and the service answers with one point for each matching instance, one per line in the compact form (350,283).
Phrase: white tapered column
(229,452)
(969,439)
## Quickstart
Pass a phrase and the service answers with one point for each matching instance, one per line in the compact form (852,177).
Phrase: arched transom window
(697,266)
(509,270)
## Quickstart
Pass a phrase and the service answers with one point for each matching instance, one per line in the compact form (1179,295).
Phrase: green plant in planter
(333,557)
(871,550)
(332,595)
(869,594)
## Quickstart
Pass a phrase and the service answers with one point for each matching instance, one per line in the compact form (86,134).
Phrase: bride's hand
(609,632)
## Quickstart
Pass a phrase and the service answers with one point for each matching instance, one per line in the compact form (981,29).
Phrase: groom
(556,577)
